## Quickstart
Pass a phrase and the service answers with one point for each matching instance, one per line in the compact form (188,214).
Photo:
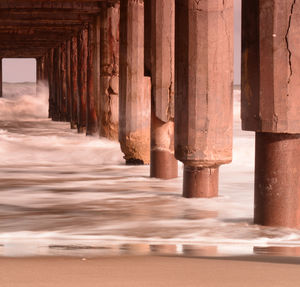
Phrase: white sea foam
(58,188)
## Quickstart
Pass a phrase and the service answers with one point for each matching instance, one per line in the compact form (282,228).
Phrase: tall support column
(92,120)
(74,83)
(68,79)
(271,105)
(63,83)
(82,47)
(1,79)
(203,97)
(40,74)
(134,112)
(109,73)
(163,162)
(56,85)
(51,84)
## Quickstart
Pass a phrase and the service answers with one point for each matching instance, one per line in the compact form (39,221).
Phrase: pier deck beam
(163,163)
(203,97)
(271,105)
(134,113)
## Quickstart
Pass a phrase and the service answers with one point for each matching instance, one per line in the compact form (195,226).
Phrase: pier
(157,76)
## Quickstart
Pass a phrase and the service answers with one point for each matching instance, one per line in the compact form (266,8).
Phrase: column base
(163,165)
(134,161)
(277,180)
(73,125)
(81,130)
(200,182)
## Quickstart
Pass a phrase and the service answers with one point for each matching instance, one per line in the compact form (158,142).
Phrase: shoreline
(149,271)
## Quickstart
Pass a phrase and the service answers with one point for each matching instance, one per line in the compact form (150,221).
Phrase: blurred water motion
(65,193)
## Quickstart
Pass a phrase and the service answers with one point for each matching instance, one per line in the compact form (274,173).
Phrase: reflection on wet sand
(277,250)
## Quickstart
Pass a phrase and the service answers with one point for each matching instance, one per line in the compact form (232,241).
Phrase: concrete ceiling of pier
(29,28)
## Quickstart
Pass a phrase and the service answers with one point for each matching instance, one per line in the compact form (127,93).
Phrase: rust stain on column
(109,86)
(134,117)
(271,105)
(203,97)
(82,79)
(91,120)
(163,162)
(74,82)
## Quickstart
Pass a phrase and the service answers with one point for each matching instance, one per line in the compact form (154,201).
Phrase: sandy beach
(147,271)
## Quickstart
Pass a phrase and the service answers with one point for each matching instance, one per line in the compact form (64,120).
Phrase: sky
(24,70)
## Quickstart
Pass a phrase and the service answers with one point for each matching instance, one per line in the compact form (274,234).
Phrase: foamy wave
(20,102)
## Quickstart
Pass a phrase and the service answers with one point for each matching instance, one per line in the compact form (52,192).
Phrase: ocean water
(62,193)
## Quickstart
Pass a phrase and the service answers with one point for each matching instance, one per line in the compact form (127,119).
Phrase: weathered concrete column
(82,47)
(271,105)
(134,112)
(68,79)
(109,73)
(56,91)
(40,74)
(203,93)
(51,83)
(1,79)
(74,83)
(277,179)
(54,102)
(59,85)
(63,82)
(92,120)
(163,162)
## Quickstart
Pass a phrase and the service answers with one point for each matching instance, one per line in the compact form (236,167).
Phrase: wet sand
(144,271)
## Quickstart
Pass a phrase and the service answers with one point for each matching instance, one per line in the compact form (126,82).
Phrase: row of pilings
(160,79)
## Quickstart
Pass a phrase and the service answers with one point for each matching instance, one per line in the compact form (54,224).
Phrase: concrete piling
(109,74)
(134,104)
(163,163)
(1,79)
(82,48)
(74,84)
(203,93)
(91,106)
(271,105)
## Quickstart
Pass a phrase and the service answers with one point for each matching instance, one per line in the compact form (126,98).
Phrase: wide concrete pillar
(109,74)
(74,83)
(92,119)
(163,162)
(134,112)
(82,47)
(203,92)
(271,105)
(1,79)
